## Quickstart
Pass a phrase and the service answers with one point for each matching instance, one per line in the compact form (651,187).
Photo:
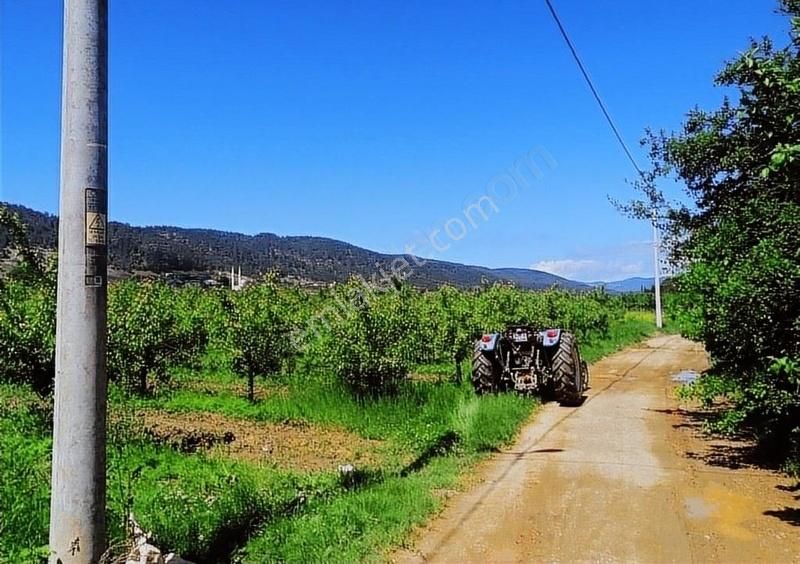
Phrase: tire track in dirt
(623,478)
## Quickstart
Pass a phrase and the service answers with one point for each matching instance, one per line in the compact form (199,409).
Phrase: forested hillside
(313,259)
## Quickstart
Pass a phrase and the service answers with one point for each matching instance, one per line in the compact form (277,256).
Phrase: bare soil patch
(292,446)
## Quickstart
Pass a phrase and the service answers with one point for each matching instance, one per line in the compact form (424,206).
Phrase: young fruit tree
(148,333)
(375,337)
(27,309)
(453,328)
(259,332)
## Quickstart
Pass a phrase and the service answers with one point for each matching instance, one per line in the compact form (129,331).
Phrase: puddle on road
(686,377)
(697,508)
(726,511)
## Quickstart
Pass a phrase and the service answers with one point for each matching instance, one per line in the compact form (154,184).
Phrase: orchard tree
(27,310)
(736,239)
(149,331)
(499,305)
(375,337)
(453,326)
(32,264)
(27,332)
(260,332)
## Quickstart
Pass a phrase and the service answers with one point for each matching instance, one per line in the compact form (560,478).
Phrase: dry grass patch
(291,446)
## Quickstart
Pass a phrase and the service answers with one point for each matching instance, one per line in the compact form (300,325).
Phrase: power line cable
(574,51)
(596,94)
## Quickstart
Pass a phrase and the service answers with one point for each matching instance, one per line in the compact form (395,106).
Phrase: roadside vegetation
(735,238)
(274,424)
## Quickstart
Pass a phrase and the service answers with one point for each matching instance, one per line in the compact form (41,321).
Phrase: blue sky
(378,123)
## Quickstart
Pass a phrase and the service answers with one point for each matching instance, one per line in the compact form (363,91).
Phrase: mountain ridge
(309,259)
(627,285)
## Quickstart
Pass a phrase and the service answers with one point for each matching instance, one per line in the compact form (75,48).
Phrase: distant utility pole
(657,269)
(77,518)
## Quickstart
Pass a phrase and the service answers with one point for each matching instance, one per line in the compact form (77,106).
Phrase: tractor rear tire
(484,373)
(568,372)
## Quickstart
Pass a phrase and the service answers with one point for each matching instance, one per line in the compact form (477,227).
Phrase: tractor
(531,361)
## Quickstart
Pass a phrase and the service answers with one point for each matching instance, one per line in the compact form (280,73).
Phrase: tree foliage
(27,311)
(27,332)
(372,340)
(151,327)
(260,331)
(736,239)
(452,326)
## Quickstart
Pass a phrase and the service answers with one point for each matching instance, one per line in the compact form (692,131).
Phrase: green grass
(360,524)
(413,418)
(204,508)
(24,477)
(201,507)
(439,428)
(444,370)
(364,522)
(633,327)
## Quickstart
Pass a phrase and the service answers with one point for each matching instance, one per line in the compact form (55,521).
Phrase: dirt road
(627,477)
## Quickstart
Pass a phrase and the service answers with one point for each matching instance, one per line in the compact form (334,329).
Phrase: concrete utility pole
(77,519)
(657,270)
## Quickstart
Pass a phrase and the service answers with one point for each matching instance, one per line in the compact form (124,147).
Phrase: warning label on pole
(95,229)
(96,217)
(96,237)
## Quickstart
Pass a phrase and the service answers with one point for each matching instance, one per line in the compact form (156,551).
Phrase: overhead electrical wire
(592,87)
(607,114)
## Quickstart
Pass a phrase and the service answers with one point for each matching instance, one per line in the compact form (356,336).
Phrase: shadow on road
(734,452)
(737,456)
(689,418)
(790,515)
(536,451)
